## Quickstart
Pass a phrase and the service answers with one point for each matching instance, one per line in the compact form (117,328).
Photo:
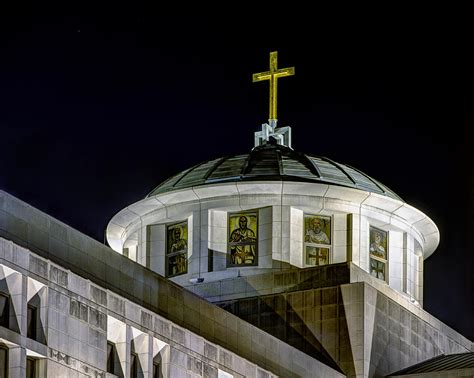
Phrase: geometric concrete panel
(117,334)
(34,287)
(141,346)
(11,282)
(36,297)
(353,301)
(370,297)
(161,356)
(308,320)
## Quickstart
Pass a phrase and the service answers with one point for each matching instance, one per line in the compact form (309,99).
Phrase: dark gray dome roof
(272,162)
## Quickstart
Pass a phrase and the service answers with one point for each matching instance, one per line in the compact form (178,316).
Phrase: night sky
(96,111)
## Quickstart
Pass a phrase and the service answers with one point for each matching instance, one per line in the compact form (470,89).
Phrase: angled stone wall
(365,332)
(273,282)
(62,251)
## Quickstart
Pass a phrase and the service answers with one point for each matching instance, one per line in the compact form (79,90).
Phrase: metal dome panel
(273,162)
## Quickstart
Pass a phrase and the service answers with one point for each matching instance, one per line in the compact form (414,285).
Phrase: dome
(276,163)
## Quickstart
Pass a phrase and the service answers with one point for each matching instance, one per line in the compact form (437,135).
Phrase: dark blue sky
(95,111)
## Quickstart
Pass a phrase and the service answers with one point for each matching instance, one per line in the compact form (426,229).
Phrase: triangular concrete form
(370,298)
(11,282)
(161,355)
(36,295)
(34,288)
(158,345)
(141,344)
(320,332)
(117,334)
(358,300)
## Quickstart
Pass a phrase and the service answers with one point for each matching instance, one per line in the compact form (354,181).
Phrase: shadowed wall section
(313,321)
(351,327)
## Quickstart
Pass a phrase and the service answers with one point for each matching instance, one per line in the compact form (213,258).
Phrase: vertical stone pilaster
(359,306)
(17,362)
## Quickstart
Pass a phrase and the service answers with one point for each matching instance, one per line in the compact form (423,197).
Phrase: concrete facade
(369,327)
(332,320)
(79,308)
(364,331)
(90,295)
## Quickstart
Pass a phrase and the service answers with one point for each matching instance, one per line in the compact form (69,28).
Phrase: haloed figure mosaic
(317,239)
(177,249)
(378,252)
(243,239)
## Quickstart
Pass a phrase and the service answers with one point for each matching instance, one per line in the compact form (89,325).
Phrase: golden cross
(273,75)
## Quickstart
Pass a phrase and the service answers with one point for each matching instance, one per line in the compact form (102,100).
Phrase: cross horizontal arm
(261,76)
(282,72)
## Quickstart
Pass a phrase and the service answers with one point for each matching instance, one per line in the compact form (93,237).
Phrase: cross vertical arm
(272,76)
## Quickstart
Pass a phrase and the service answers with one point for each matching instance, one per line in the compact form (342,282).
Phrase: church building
(270,263)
